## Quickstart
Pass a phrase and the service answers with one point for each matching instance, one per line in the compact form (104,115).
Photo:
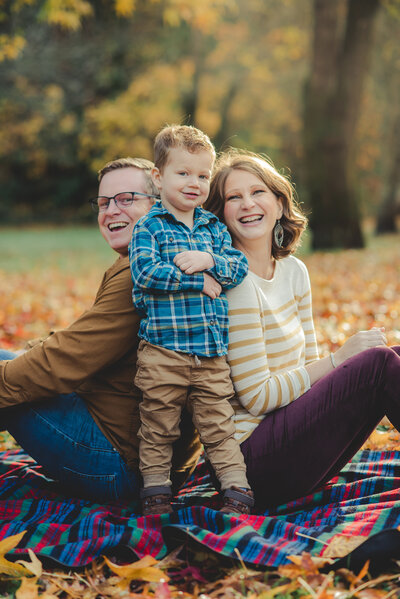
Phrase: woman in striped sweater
(298,418)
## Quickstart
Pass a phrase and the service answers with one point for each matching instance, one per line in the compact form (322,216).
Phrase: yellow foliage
(288,43)
(54,97)
(19,4)
(67,14)
(11,46)
(127,125)
(68,123)
(204,16)
(125,8)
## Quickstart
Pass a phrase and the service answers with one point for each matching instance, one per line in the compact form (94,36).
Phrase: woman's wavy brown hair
(293,220)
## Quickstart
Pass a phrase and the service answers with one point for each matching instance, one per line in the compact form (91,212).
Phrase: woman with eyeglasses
(69,400)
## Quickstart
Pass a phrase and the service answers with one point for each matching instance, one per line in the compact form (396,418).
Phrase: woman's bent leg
(297,448)
(61,435)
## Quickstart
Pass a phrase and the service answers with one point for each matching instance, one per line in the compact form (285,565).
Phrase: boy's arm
(150,273)
(227,265)
(230,265)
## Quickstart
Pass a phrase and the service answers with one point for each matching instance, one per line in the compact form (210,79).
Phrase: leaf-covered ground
(47,279)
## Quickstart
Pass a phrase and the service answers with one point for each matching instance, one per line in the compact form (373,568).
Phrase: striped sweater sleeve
(307,323)
(268,346)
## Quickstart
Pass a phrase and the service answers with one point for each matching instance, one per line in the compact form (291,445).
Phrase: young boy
(181,257)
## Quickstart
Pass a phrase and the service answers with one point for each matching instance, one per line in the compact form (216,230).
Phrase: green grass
(68,247)
(61,247)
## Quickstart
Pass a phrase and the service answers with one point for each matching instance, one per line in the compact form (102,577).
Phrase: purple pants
(297,448)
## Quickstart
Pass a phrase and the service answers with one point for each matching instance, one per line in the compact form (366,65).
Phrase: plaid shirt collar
(200,217)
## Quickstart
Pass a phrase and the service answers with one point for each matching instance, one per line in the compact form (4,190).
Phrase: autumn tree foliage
(84,81)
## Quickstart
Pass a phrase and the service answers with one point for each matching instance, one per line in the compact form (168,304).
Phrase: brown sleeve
(60,363)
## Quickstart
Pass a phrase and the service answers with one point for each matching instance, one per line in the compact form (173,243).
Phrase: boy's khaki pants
(170,380)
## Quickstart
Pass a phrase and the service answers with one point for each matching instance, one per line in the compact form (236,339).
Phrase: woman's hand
(193,261)
(211,287)
(359,342)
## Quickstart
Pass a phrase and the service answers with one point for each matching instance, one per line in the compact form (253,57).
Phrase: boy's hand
(193,261)
(211,287)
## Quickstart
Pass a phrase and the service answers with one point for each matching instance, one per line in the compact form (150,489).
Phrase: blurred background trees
(313,84)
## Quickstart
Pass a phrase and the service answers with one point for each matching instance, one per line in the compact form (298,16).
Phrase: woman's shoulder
(292,264)
(294,271)
(245,294)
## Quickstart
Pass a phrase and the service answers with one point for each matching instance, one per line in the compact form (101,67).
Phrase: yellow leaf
(7,567)
(341,545)
(141,570)
(27,590)
(34,566)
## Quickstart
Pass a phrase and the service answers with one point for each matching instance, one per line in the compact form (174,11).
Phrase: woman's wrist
(333,360)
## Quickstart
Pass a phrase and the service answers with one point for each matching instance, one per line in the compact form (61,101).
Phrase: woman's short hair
(140,163)
(293,220)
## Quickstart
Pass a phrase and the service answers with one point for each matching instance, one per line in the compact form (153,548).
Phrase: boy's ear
(156,176)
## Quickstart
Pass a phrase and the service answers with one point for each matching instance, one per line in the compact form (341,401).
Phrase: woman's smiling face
(251,209)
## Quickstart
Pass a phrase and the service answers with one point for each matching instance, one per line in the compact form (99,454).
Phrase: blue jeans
(61,435)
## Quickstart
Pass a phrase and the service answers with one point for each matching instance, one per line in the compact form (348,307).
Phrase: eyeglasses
(123,200)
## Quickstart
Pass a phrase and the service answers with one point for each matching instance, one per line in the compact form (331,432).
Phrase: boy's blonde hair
(292,220)
(180,136)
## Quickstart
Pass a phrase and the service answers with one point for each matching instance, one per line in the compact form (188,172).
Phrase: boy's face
(184,181)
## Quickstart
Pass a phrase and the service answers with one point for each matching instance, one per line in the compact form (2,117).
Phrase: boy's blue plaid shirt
(175,313)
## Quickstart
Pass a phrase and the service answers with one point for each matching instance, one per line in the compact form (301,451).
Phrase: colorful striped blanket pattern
(362,500)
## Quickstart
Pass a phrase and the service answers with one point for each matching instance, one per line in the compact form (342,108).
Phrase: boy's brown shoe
(238,501)
(156,500)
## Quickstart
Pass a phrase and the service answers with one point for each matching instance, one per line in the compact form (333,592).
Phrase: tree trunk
(190,98)
(332,104)
(221,138)
(390,207)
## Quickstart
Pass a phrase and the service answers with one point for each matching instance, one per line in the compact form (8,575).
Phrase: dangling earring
(278,233)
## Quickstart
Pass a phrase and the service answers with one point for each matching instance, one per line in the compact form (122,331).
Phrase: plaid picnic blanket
(362,500)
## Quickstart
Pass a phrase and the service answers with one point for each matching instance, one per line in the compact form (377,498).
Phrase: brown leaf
(319,562)
(372,594)
(306,562)
(340,545)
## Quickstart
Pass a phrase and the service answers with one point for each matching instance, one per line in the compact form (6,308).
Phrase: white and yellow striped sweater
(271,338)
